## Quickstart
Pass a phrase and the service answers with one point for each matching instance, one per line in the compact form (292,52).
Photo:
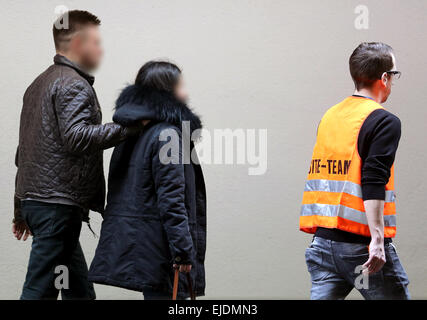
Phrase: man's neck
(70,57)
(369,94)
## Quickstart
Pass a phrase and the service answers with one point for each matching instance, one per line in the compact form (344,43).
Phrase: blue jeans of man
(335,269)
(56,231)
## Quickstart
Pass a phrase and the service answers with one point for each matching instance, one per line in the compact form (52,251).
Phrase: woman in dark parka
(155,218)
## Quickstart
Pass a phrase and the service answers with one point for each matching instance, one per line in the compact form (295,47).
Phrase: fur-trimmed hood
(135,104)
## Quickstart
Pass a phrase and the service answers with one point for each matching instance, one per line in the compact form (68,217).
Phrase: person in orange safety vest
(349,199)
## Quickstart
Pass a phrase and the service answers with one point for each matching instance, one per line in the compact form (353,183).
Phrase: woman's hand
(185,268)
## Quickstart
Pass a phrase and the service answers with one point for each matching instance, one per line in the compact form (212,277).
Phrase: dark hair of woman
(159,75)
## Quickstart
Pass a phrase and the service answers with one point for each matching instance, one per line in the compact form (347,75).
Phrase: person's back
(156,205)
(334,197)
(349,202)
(64,169)
(128,180)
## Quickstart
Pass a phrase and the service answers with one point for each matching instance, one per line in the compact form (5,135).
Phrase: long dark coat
(156,211)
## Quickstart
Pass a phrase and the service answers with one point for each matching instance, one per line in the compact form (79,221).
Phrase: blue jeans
(334,271)
(56,231)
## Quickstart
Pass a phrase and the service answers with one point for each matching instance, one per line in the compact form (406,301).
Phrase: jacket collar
(136,103)
(60,59)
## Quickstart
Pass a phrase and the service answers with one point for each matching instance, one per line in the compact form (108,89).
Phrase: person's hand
(20,230)
(185,268)
(376,256)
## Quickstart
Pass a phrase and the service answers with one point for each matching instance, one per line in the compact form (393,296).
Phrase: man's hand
(21,230)
(376,256)
(185,268)
(374,214)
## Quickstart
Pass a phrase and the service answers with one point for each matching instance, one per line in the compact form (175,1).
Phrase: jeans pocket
(315,264)
(392,246)
(393,267)
(355,256)
(313,258)
(39,217)
(354,251)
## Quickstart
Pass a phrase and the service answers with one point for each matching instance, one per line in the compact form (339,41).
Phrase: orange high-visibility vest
(333,192)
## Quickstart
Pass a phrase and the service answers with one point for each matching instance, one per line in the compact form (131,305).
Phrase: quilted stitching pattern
(61,138)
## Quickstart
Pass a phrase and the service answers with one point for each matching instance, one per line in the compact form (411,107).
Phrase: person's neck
(72,57)
(369,93)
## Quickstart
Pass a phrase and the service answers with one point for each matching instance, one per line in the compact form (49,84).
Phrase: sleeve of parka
(169,181)
(76,117)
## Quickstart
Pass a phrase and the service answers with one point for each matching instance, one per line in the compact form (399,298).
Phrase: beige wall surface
(275,65)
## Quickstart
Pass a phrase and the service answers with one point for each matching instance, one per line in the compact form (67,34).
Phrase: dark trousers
(56,260)
(154,295)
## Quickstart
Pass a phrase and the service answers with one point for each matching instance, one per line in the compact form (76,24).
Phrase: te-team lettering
(341,167)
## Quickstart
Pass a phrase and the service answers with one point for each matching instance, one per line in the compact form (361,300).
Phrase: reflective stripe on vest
(333,193)
(342,187)
(328,210)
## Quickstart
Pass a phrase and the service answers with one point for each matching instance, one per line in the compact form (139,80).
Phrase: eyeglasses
(396,74)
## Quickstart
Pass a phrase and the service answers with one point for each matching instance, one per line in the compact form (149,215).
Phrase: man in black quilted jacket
(60,161)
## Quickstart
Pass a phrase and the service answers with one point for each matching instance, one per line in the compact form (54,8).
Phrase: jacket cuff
(182,259)
(17,210)
(132,131)
(373,191)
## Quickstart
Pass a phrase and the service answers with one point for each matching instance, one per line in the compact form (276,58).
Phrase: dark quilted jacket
(156,211)
(61,139)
